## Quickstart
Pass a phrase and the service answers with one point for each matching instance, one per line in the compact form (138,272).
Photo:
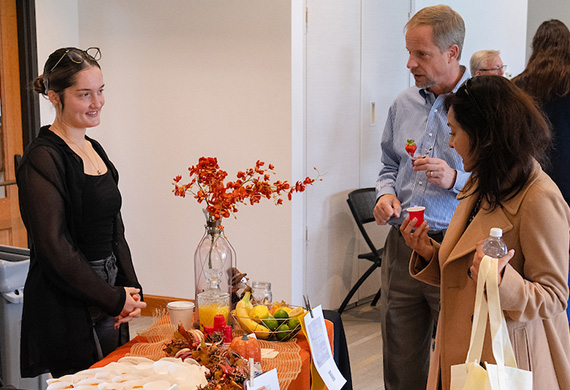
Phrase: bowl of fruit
(276,322)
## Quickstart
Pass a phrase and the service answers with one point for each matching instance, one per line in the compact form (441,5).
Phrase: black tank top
(101,204)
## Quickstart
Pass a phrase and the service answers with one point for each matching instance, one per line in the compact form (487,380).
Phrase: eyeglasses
(92,53)
(465,89)
(495,69)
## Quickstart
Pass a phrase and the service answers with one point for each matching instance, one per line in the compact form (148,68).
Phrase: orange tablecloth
(302,382)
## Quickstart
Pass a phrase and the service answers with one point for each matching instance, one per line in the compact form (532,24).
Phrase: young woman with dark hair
(81,288)
(547,79)
(547,74)
(501,135)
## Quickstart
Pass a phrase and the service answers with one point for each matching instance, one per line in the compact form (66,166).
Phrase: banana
(247,323)
(247,302)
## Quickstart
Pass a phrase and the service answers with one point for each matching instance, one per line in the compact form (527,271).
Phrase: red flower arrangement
(207,185)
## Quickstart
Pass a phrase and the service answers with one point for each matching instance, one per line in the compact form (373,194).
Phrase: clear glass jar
(261,292)
(213,301)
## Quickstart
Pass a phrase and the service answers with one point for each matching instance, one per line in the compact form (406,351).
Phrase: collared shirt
(419,115)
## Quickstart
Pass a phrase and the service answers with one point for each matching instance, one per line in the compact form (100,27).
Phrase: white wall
(184,80)
(56,26)
(333,122)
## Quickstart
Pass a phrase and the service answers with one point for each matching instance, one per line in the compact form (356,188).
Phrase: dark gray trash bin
(14,265)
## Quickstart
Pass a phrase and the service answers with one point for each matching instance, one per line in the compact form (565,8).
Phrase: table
(301,382)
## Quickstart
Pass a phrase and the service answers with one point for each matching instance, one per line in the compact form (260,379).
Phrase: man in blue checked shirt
(409,308)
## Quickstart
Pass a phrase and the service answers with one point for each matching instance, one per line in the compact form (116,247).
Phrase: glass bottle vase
(214,252)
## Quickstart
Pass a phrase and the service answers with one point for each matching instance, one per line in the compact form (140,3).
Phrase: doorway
(12,230)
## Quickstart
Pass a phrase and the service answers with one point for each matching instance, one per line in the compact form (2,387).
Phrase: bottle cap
(219,322)
(496,232)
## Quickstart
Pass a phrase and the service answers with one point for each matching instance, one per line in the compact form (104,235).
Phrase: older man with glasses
(487,62)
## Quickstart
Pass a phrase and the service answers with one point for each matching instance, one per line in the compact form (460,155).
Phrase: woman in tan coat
(501,136)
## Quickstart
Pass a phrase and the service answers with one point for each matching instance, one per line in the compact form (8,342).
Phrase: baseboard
(359,302)
(158,302)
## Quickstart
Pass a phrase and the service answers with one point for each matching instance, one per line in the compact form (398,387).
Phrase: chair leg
(376,297)
(355,288)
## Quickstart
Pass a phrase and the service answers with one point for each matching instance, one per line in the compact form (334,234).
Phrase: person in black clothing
(547,79)
(81,288)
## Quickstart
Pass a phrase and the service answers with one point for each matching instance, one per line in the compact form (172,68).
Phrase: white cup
(181,312)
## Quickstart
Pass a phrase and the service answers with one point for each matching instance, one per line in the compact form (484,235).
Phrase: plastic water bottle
(494,246)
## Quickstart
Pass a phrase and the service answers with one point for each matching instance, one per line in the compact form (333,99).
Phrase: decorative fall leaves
(207,185)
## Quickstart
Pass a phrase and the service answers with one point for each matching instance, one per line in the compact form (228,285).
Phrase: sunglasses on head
(78,56)
(465,88)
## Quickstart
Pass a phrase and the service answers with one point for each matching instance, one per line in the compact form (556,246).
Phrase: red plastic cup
(208,329)
(228,334)
(219,322)
(418,213)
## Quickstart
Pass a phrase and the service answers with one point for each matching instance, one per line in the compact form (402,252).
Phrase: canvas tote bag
(504,375)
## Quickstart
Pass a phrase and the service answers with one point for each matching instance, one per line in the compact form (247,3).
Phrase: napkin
(268,353)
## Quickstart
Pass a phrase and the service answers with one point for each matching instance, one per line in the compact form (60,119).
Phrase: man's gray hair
(448,26)
(479,58)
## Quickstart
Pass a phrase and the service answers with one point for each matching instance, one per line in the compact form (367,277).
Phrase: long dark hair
(507,133)
(547,74)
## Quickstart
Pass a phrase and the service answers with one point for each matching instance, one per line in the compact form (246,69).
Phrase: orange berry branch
(207,185)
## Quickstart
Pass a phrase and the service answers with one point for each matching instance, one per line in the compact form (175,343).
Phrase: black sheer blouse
(56,326)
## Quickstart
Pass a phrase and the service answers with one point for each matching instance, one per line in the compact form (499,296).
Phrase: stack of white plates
(136,373)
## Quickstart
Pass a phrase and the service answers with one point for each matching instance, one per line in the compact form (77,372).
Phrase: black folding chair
(361,203)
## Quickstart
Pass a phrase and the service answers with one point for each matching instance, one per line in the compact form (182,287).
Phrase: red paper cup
(228,334)
(219,322)
(418,213)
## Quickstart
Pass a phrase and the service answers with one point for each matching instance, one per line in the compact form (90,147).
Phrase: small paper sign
(321,349)
(266,381)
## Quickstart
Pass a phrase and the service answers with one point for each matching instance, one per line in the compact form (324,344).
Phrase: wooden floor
(362,328)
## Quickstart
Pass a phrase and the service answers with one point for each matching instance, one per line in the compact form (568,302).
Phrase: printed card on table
(266,381)
(321,350)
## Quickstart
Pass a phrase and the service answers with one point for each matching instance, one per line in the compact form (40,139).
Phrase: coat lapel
(479,229)
(460,241)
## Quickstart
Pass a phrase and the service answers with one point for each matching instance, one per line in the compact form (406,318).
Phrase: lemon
(270,322)
(259,312)
(296,312)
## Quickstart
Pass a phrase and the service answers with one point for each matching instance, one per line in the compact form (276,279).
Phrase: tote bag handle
(479,316)
(502,347)
(491,306)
